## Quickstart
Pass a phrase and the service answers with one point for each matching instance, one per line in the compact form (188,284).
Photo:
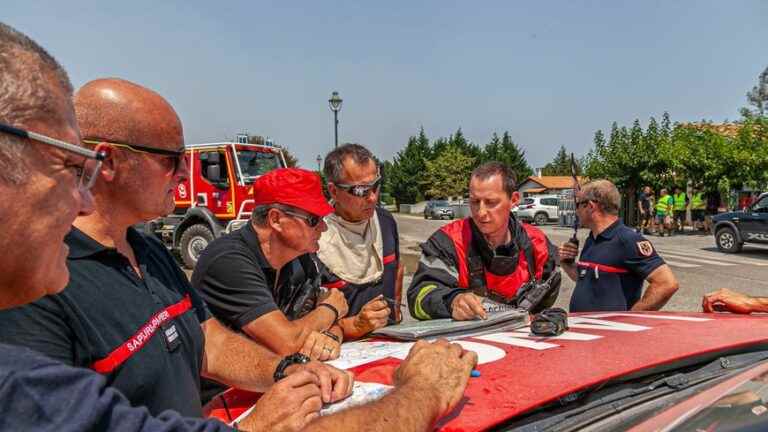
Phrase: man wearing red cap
(263,279)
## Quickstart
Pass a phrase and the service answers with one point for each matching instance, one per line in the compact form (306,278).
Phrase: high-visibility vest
(679,201)
(697,202)
(664,205)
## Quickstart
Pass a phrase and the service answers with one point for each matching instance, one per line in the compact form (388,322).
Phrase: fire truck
(216,199)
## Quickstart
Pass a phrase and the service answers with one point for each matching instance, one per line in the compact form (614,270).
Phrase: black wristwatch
(296,358)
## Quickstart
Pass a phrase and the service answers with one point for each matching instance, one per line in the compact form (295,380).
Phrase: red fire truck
(216,199)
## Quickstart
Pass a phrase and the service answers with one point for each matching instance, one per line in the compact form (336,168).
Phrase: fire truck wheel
(193,240)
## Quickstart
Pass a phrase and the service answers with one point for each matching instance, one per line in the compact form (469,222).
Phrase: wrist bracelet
(333,309)
(331,335)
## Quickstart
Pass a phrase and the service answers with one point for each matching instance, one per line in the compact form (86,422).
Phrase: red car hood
(520,372)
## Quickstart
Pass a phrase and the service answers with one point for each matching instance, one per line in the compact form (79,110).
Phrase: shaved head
(116,110)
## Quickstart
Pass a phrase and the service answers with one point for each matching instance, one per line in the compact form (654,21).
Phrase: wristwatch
(296,358)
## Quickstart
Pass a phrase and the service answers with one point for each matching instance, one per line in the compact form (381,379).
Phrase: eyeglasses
(311,220)
(86,174)
(361,190)
(176,156)
(582,203)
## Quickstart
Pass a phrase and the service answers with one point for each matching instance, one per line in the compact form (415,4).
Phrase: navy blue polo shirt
(143,335)
(611,270)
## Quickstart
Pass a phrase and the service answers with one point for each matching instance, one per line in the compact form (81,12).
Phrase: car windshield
(440,203)
(255,163)
(623,405)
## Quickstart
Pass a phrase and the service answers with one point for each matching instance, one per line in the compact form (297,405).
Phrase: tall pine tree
(404,180)
(560,166)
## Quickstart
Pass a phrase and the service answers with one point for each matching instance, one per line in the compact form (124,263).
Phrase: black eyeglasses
(311,220)
(176,156)
(86,174)
(582,203)
(361,190)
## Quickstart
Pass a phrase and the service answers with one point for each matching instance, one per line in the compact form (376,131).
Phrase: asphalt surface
(698,265)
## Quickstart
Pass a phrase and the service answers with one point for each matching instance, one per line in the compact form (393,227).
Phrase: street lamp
(335,104)
(319,161)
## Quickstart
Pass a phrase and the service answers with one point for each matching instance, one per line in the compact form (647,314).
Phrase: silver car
(537,209)
(439,209)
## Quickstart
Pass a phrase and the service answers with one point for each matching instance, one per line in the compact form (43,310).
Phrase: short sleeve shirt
(645,201)
(239,285)
(612,269)
(143,335)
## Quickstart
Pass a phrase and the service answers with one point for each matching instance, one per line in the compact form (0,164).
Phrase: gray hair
(604,193)
(28,74)
(492,168)
(259,214)
(333,166)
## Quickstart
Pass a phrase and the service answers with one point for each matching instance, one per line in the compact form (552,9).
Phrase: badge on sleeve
(645,247)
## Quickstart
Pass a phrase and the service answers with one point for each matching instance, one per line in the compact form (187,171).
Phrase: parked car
(611,371)
(750,225)
(438,209)
(537,209)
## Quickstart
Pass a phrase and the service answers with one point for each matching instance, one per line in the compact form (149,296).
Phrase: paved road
(699,267)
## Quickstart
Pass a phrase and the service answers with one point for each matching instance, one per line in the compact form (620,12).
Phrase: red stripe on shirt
(338,284)
(602,267)
(389,258)
(138,340)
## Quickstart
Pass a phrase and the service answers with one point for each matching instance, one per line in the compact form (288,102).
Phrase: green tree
(472,150)
(404,178)
(290,160)
(560,166)
(758,96)
(448,174)
(506,151)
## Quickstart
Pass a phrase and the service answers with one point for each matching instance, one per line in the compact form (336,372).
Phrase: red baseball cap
(295,187)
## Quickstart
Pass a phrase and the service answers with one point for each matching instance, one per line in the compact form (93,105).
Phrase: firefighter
(644,206)
(615,260)
(360,250)
(664,212)
(679,205)
(489,254)
(698,208)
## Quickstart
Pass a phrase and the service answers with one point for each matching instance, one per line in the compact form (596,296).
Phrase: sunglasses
(311,220)
(361,190)
(86,174)
(582,203)
(175,156)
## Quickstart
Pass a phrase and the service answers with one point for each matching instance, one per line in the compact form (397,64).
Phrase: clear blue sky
(549,72)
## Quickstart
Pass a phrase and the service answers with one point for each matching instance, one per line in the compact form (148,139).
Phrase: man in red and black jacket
(489,254)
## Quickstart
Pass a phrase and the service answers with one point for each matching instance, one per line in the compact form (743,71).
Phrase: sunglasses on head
(311,220)
(177,157)
(361,190)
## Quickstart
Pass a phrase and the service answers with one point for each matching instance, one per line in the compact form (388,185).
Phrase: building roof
(725,129)
(554,182)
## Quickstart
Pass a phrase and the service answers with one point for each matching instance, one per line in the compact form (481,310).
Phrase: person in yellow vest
(680,204)
(698,206)
(664,211)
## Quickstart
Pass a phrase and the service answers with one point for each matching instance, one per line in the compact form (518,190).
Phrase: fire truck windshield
(255,163)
